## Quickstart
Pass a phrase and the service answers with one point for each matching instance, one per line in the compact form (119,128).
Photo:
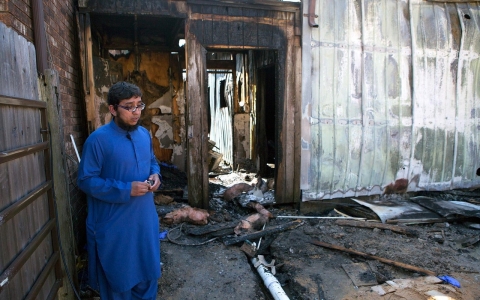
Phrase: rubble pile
(416,249)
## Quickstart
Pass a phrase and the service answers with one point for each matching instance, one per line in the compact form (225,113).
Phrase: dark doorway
(270,114)
(267,121)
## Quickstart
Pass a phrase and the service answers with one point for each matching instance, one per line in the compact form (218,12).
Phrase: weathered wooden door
(197,123)
(29,250)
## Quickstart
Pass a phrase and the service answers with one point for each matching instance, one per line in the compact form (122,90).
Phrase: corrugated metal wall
(221,114)
(391,91)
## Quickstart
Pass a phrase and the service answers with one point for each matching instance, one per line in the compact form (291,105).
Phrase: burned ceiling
(124,32)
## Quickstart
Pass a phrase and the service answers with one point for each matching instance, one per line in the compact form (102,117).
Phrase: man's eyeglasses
(132,108)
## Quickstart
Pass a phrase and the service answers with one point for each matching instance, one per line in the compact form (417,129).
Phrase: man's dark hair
(122,90)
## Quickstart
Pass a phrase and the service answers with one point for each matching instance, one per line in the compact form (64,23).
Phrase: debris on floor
(392,246)
(187,214)
(372,248)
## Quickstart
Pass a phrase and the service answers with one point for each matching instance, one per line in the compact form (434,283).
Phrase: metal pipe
(311,13)
(270,281)
(40,41)
(75,147)
(313,217)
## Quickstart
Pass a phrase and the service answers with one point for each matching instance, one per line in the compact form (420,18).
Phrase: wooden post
(197,124)
(59,177)
(384,260)
(90,81)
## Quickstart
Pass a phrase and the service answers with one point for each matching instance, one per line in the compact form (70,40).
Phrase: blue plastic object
(162,235)
(451,280)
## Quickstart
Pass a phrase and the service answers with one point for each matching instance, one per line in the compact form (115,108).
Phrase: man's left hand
(156,182)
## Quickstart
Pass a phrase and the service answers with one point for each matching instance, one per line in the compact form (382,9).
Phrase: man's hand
(140,188)
(156,182)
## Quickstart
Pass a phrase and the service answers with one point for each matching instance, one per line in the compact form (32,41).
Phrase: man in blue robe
(119,172)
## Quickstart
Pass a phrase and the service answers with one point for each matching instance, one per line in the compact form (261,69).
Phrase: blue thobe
(122,230)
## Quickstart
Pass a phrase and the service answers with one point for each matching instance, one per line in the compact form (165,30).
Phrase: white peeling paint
(181,101)
(104,89)
(177,150)
(164,103)
(164,132)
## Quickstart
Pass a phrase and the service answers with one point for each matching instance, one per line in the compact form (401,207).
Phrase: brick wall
(62,56)
(17,14)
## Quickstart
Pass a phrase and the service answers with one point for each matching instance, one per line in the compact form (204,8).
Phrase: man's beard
(120,123)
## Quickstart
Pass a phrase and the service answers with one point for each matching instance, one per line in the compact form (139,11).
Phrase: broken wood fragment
(473,194)
(249,249)
(394,228)
(384,260)
(423,221)
(314,217)
(236,190)
(208,229)
(259,234)
(177,190)
(251,223)
(260,209)
(187,214)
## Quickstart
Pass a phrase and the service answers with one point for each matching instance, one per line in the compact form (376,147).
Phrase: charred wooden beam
(221,64)
(262,233)
(384,260)
(179,26)
(254,4)
(141,48)
(209,229)
(363,224)
(140,7)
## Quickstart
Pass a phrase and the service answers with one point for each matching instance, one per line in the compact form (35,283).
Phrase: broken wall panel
(225,26)
(241,136)
(250,28)
(393,96)
(161,87)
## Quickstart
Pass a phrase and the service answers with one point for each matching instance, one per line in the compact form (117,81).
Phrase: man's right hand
(139,188)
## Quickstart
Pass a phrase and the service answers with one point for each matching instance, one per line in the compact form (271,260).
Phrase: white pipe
(312,217)
(260,240)
(75,147)
(270,282)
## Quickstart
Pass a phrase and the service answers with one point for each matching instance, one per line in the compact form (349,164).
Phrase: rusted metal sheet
(390,94)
